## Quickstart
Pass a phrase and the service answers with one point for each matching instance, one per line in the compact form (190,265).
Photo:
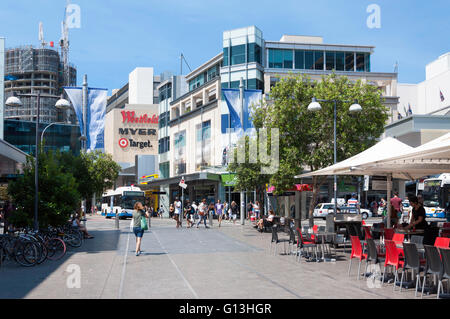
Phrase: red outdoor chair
(392,259)
(399,239)
(367,232)
(442,242)
(357,252)
(302,244)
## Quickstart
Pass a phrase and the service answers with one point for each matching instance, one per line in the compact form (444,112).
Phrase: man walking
(202,210)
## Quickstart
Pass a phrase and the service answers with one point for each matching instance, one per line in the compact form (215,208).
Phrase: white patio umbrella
(384,149)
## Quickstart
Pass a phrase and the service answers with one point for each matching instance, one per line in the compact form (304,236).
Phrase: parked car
(323,209)
(366,213)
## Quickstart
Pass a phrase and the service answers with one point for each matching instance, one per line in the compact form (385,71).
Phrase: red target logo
(123,142)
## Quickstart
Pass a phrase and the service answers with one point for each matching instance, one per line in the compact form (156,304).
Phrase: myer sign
(132,131)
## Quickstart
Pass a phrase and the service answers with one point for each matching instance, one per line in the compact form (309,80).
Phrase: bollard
(211,219)
(149,222)
(117,221)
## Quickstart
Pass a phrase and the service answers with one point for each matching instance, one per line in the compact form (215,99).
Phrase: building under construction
(31,70)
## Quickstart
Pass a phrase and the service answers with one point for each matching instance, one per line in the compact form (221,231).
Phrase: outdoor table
(409,233)
(324,235)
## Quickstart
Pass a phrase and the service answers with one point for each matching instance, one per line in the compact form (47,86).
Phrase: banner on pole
(95,117)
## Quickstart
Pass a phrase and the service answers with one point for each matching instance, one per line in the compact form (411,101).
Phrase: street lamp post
(14,101)
(315,106)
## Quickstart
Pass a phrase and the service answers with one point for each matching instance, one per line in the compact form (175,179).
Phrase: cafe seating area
(408,260)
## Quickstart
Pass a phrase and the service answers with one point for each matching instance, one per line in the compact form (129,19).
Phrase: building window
(255,84)
(360,65)
(340,61)
(238,54)
(309,60)
(280,59)
(318,60)
(213,72)
(254,53)
(330,60)
(299,60)
(198,81)
(367,62)
(225,57)
(349,61)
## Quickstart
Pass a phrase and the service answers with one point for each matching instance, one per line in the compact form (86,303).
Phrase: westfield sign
(130,117)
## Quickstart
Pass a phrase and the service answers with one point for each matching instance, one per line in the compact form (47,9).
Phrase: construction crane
(64,44)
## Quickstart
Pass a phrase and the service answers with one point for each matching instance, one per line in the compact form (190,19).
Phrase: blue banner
(232,99)
(252,98)
(95,116)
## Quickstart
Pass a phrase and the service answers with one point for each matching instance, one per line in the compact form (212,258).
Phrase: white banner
(96,112)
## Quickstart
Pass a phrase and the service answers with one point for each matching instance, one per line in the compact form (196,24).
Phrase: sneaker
(137,254)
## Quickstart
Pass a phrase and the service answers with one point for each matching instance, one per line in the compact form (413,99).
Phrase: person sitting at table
(266,222)
(418,220)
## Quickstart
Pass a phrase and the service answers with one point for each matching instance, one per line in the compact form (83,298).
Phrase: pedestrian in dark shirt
(418,220)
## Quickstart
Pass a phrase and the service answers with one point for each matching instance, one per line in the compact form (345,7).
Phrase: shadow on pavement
(17,281)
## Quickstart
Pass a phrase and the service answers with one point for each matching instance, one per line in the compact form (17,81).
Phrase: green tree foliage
(64,180)
(58,195)
(306,138)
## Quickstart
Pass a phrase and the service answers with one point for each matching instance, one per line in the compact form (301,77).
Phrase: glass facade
(164,145)
(164,170)
(318,60)
(349,61)
(254,53)
(165,92)
(236,54)
(164,119)
(61,137)
(204,77)
(280,59)
(299,60)
(253,84)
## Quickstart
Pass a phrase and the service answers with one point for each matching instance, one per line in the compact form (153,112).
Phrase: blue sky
(118,35)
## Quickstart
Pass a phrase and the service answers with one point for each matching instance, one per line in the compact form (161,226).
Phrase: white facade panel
(141,86)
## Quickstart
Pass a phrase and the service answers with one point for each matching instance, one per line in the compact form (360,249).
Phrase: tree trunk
(317,182)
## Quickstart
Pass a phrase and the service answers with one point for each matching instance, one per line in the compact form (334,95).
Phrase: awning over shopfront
(395,162)
(384,149)
(176,180)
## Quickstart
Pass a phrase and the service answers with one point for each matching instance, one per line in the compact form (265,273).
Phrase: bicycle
(19,248)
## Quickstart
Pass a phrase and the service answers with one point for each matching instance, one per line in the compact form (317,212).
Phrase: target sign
(123,142)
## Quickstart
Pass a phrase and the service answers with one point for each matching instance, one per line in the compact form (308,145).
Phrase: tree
(58,195)
(306,138)
(248,174)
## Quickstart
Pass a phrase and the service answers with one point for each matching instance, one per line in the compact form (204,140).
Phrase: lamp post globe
(314,106)
(13,101)
(62,104)
(355,108)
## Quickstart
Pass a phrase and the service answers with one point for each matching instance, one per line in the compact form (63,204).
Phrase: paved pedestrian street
(217,263)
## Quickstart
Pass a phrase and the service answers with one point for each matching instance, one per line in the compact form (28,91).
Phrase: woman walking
(138,214)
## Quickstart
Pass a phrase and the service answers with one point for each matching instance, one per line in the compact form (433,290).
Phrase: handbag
(144,225)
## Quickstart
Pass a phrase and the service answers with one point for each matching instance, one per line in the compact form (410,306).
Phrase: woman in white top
(256,209)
